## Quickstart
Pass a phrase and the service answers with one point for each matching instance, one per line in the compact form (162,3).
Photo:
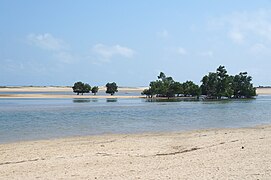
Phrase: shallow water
(30,119)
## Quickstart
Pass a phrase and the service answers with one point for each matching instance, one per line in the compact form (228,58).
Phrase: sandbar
(53,96)
(38,92)
(58,89)
(55,92)
(263,91)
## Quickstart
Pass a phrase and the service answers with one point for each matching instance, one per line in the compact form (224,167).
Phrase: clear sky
(60,42)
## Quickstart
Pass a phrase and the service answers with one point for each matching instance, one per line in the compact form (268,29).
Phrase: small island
(215,85)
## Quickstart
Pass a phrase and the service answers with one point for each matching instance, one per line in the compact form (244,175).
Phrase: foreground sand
(207,154)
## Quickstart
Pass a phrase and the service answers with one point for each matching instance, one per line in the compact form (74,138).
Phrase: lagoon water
(32,119)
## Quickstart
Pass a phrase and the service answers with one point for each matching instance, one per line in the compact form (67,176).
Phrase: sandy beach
(38,92)
(14,96)
(263,91)
(204,154)
(58,89)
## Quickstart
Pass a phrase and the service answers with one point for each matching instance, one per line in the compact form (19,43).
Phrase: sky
(60,42)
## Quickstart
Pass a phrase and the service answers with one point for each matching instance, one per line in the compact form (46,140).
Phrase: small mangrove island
(215,85)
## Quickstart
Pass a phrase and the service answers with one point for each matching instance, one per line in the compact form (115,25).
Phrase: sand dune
(206,154)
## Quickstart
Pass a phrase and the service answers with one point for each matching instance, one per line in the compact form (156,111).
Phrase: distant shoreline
(18,96)
(38,92)
(263,91)
(56,88)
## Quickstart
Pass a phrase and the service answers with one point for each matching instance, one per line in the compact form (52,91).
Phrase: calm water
(29,119)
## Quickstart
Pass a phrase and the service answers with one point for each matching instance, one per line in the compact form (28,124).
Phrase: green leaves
(167,87)
(220,84)
(95,89)
(191,89)
(242,86)
(81,88)
(111,88)
(215,85)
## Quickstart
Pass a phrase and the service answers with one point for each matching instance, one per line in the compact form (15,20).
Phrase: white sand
(263,91)
(60,89)
(260,91)
(17,92)
(205,154)
(36,89)
(64,96)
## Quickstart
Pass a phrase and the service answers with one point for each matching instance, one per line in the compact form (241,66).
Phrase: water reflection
(226,101)
(207,101)
(94,100)
(111,100)
(84,100)
(170,100)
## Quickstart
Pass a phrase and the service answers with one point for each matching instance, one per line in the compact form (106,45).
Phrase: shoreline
(229,153)
(62,96)
(149,133)
(58,89)
(37,92)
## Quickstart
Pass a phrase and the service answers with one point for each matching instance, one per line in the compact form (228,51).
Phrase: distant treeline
(264,86)
(215,85)
(81,88)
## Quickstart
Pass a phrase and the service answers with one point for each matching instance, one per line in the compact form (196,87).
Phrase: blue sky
(130,42)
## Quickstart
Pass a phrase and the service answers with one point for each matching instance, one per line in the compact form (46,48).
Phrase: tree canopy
(95,89)
(167,87)
(242,86)
(111,88)
(219,84)
(215,85)
(81,88)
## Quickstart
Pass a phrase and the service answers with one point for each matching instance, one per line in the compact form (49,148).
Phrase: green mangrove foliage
(242,86)
(215,85)
(95,89)
(167,87)
(219,84)
(111,88)
(81,88)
